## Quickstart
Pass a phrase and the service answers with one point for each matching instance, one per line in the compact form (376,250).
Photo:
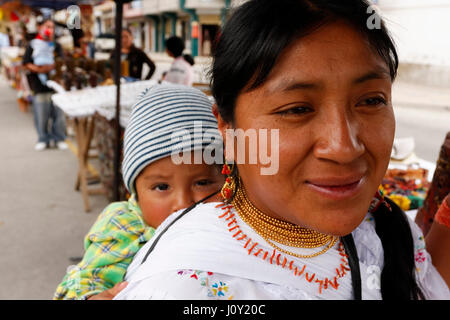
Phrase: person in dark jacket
(135,56)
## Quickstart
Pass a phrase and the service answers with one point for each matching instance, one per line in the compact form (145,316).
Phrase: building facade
(420,29)
(197,22)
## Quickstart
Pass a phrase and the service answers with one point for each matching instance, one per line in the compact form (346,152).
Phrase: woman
(136,57)
(317,228)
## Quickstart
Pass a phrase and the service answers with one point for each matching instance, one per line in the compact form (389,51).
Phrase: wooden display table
(88,108)
(84,132)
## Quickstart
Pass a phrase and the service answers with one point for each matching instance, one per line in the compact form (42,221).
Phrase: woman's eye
(161,187)
(295,111)
(374,101)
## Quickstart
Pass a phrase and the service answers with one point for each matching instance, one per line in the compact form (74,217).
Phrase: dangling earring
(229,188)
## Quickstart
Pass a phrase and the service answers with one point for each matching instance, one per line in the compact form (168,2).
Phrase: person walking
(39,60)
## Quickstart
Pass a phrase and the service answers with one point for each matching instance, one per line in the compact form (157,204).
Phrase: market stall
(82,127)
(93,113)
(408,177)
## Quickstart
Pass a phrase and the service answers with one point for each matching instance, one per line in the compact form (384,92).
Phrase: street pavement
(422,112)
(42,220)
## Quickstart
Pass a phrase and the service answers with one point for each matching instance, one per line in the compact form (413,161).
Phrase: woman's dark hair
(175,45)
(253,39)
(397,278)
(189,59)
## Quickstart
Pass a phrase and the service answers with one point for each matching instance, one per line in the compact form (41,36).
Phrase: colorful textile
(407,188)
(439,189)
(110,245)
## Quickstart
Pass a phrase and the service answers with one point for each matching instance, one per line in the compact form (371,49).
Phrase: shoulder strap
(353,260)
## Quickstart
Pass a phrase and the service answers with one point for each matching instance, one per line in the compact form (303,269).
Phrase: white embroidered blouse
(210,253)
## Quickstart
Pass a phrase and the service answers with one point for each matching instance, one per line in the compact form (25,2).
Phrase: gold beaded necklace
(286,233)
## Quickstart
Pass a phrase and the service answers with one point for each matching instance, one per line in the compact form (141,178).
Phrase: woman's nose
(339,140)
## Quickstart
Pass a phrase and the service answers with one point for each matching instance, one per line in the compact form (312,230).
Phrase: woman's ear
(221,123)
(223,126)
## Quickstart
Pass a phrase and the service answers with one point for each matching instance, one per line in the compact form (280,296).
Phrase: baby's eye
(161,187)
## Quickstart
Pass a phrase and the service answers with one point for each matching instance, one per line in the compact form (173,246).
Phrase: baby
(158,186)
(43,52)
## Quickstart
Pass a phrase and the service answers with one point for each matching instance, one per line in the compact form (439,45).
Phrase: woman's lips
(336,188)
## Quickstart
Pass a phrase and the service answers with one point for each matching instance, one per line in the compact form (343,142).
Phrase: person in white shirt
(180,71)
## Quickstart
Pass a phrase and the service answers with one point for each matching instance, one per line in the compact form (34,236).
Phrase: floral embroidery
(420,256)
(183,272)
(282,261)
(217,290)
(420,244)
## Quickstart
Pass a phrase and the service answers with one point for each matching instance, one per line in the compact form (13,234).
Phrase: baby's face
(164,187)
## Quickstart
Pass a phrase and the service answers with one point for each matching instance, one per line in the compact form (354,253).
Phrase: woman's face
(127,39)
(329,95)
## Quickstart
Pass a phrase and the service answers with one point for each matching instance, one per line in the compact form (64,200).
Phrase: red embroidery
(284,262)
(231,222)
(273,255)
(334,284)
(303,269)
(320,284)
(231,216)
(224,214)
(236,233)
(243,237)
(259,250)
(311,279)
(253,246)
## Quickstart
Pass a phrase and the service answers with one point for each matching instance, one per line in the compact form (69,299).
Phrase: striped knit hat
(162,111)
